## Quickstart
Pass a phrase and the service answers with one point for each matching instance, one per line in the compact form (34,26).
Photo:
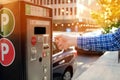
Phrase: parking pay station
(25,41)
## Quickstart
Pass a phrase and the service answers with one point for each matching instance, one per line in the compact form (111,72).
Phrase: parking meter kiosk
(25,42)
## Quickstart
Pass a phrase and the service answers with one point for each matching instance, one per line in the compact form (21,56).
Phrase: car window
(69,49)
(55,48)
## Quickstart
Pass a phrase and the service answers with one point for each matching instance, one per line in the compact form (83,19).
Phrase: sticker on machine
(7,52)
(33,40)
(7,21)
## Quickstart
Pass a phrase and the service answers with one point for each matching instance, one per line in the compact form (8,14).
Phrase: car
(85,51)
(64,63)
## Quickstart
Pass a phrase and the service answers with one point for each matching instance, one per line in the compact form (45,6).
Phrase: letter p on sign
(7,54)
(4,50)
(7,21)
(4,21)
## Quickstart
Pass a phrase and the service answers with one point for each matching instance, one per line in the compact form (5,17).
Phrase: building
(71,15)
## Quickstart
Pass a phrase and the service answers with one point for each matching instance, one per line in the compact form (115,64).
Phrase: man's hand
(64,41)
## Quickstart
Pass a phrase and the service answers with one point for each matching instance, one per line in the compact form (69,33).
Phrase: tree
(108,15)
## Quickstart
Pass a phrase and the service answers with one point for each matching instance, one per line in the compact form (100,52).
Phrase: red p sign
(7,54)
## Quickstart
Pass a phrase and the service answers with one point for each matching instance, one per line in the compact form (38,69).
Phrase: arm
(106,42)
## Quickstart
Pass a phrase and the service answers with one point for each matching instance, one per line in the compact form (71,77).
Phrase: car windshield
(55,48)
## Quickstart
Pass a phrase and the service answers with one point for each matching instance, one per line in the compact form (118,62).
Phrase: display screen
(39,30)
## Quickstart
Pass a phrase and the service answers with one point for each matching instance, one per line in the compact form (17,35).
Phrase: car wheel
(67,75)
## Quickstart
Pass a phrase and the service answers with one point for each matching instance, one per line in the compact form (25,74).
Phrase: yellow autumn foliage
(108,14)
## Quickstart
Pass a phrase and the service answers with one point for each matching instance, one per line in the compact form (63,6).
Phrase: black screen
(39,30)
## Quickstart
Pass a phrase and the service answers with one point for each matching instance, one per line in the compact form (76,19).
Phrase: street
(84,61)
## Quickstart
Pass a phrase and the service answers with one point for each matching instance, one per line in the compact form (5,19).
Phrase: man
(105,42)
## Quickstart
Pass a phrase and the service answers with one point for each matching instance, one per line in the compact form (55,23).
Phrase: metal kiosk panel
(25,42)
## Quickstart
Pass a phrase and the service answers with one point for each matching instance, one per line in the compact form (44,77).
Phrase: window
(63,1)
(67,11)
(44,2)
(59,1)
(55,1)
(55,48)
(40,2)
(67,1)
(71,1)
(51,1)
(62,10)
(55,11)
(58,11)
(48,2)
(75,10)
(71,11)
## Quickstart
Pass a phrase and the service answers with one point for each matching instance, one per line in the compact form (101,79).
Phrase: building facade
(73,15)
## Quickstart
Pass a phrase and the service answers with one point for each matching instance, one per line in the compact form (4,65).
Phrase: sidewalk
(105,68)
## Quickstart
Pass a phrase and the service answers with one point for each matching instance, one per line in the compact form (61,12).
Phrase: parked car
(64,63)
(82,51)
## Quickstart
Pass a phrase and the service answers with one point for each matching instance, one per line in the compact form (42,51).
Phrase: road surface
(84,61)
